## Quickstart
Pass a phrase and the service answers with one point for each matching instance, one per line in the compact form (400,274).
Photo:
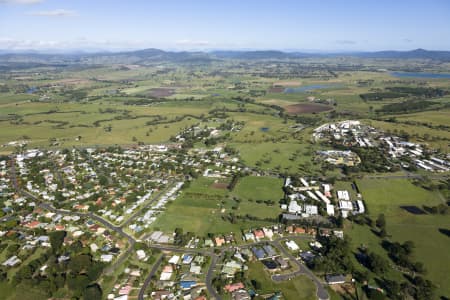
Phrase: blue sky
(323,25)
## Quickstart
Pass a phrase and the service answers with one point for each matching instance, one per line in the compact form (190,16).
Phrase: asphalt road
(321,291)
(209,276)
(148,279)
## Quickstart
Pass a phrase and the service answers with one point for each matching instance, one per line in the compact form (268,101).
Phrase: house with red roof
(259,234)
(32,224)
(219,241)
(234,287)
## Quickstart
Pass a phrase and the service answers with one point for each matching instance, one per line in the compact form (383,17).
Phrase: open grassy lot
(291,155)
(41,122)
(299,288)
(202,209)
(439,117)
(259,188)
(386,196)
(6,291)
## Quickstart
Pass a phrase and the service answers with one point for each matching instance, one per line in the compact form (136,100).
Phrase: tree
(381,221)
(80,262)
(77,283)
(103,180)
(424,288)
(12,249)
(92,292)
(383,232)
(408,246)
(376,263)
(256,284)
(95,270)
(56,240)
(59,281)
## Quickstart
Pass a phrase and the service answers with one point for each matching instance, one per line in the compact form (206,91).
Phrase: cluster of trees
(181,238)
(74,95)
(406,106)
(375,262)
(427,92)
(234,181)
(381,224)
(378,96)
(403,91)
(400,254)
(308,120)
(415,123)
(372,160)
(335,256)
(79,275)
(415,288)
(215,140)
(441,209)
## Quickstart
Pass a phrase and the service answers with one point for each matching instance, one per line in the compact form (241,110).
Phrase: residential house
(233,287)
(335,279)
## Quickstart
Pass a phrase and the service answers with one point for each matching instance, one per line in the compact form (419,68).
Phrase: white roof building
(174,259)
(12,261)
(106,258)
(330,209)
(343,195)
(141,254)
(345,205)
(294,208)
(292,245)
(311,210)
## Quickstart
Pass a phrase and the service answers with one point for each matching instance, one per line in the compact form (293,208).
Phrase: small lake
(307,88)
(420,75)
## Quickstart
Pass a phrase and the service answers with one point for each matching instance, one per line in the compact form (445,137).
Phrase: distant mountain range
(413,54)
(157,55)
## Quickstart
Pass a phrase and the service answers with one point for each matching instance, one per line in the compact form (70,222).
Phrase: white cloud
(345,42)
(25,2)
(9,43)
(191,43)
(54,13)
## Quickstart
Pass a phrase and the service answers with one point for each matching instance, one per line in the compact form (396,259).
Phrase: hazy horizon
(328,26)
(211,50)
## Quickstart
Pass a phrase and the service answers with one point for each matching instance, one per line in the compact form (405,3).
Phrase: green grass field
(259,188)
(6,291)
(299,288)
(200,208)
(386,196)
